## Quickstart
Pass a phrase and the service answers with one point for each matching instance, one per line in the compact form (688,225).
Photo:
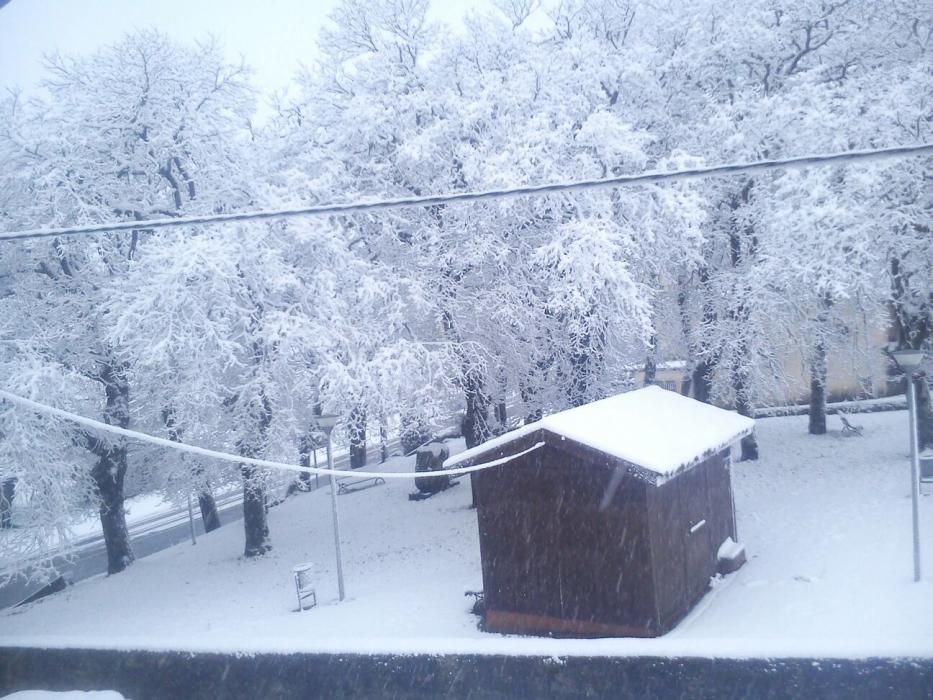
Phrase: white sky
(273,36)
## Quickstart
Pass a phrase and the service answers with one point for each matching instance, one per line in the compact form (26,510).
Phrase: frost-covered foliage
(235,336)
(47,463)
(143,128)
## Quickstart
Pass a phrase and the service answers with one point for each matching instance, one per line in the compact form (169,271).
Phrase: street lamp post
(194,540)
(909,361)
(326,423)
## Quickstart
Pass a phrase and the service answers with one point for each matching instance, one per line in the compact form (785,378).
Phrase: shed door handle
(697,526)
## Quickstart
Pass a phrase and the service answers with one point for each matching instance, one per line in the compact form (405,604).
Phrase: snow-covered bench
(345,486)
(849,429)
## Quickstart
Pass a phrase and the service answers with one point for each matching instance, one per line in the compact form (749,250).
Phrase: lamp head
(326,422)
(908,360)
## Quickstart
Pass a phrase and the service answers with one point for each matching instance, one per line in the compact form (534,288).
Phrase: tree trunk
(578,388)
(651,371)
(7,493)
(383,444)
(357,437)
(108,476)
(500,410)
(255,524)
(924,412)
(475,424)
(502,415)
(304,460)
(699,383)
(818,390)
(742,245)
(529,396)
(744,407)
(476,420)
(749,447)
(210,517)
(749,443)
(306,445)
(109,472)
(651,362)
(308,458)
(914,325)
(818,369)
(686,386)
(586,361)
(702,381)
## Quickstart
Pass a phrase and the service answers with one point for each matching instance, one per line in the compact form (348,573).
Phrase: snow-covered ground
(826,522)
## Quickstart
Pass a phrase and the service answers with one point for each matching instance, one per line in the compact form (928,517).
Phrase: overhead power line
(648,178)
(23,402)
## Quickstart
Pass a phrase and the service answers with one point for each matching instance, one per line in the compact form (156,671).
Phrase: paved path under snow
(152,535)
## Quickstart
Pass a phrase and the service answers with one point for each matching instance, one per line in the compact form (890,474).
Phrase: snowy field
(826,522)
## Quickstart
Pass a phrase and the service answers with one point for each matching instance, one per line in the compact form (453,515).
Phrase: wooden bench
(849,429)
(345,486)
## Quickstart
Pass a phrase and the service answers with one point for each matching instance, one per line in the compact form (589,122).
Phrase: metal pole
(333,503)
(914,471)
(194,540)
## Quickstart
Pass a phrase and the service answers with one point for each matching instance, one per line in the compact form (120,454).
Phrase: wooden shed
(612,521)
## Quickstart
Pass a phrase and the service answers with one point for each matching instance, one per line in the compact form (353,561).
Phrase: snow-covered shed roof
(657,430)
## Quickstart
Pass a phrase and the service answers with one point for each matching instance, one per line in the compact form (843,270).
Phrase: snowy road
(155,535)
(151,535)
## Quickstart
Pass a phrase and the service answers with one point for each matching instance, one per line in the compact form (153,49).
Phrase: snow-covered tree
(138,130)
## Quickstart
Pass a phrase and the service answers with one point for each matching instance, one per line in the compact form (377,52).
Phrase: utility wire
(648,178)
(23,402)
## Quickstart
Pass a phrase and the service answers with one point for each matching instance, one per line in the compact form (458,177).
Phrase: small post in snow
(194,539)
(326,423)
(909,361)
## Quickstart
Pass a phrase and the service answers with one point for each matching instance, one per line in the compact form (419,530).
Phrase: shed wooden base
(542,625)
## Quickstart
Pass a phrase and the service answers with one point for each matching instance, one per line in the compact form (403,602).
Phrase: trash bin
(304,585)
(926,465)
(431,458)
